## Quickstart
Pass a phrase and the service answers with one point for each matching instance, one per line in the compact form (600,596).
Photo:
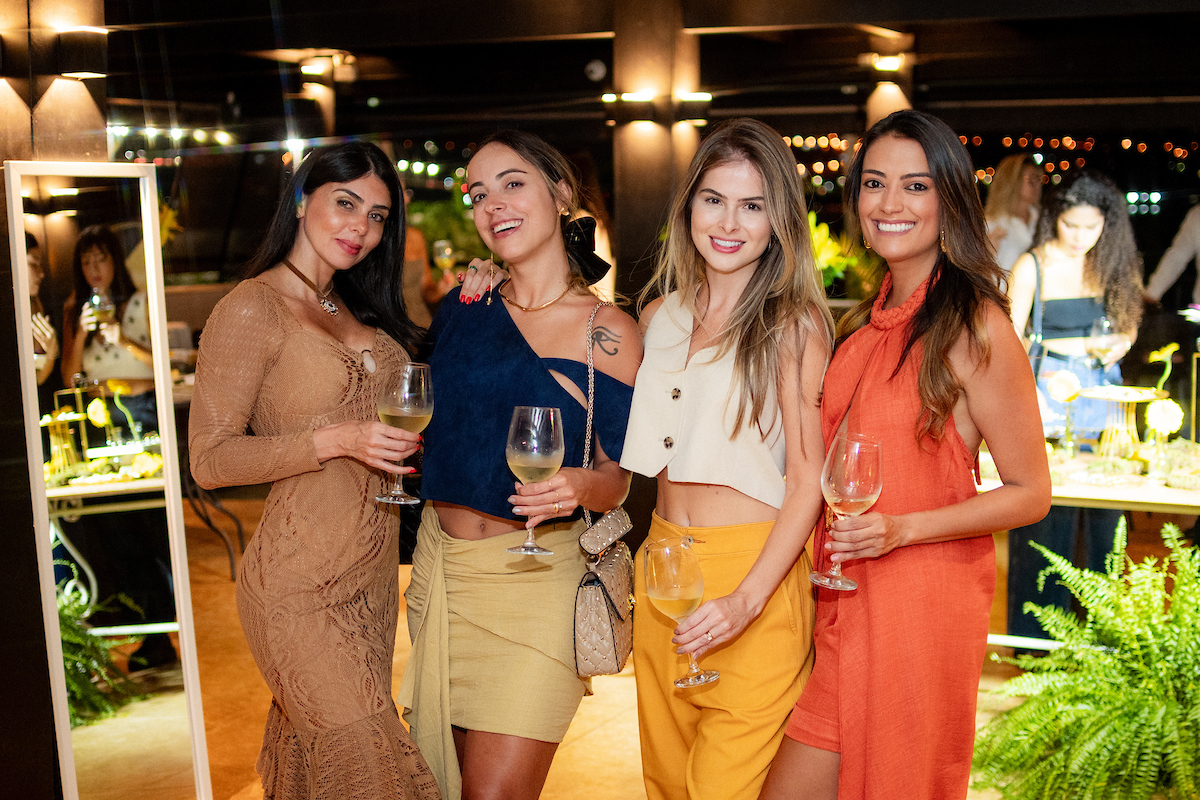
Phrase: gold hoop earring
(944,240)
(866,244)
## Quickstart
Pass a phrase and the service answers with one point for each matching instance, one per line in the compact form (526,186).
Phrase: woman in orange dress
(931,367)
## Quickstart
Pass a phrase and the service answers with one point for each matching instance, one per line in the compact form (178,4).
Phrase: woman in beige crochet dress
(290,367)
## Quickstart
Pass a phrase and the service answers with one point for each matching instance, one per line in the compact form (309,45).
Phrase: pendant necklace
(510,301)
(368,361)
(323,299)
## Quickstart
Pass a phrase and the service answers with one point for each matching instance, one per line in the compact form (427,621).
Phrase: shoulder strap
(1035,324)
(589,344)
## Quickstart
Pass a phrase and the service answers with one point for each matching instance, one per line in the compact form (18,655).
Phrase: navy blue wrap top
(482,369)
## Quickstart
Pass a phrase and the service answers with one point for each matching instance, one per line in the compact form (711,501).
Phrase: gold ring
(556,507)
(709,634)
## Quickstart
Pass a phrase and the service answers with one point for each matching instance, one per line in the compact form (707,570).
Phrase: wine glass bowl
(851,481)
(675,586)
(535,452)
(1103,341)
(406,402)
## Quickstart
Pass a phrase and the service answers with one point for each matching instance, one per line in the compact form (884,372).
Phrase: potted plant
(96,687)
(1114,713)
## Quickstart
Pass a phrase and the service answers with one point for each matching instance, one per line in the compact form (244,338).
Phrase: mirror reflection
(106,454)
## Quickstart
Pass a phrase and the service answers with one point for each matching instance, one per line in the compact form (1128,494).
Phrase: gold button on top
(675,394)
(668,442)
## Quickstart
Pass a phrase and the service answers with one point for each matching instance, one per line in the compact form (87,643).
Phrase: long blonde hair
(786,290)
(1004,193)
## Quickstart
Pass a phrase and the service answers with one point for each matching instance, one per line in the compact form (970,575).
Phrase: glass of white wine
(1103,342)
(406,402)
(851,481)
(535,452)
(675,586)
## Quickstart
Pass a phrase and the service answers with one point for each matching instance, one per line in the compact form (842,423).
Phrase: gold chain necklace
(322,297)
(510,301)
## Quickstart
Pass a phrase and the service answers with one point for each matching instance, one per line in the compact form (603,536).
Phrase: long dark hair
(1113,264)
(965,277)
(371,290)
(121,288)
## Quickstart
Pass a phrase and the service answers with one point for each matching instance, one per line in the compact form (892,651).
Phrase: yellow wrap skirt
(493,640)
(716,742)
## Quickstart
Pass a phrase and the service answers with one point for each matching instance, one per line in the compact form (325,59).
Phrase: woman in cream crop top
(726,403)
(680,406)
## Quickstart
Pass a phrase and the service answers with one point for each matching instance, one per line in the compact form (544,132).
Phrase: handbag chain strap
(591,362)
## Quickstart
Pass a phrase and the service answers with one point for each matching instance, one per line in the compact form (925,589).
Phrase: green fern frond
(1114,713)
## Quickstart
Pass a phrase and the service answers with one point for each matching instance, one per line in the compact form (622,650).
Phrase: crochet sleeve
(237,349)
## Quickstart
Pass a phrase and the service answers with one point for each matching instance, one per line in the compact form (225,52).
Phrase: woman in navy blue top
(491,684)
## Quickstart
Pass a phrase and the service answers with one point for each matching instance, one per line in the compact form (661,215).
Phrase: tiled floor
(599,758)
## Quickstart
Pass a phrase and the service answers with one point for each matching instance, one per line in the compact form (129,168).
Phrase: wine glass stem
(695,668)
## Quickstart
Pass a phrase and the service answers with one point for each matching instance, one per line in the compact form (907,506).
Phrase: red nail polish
(481,295)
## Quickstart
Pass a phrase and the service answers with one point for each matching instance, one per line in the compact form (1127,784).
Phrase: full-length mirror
(96,383)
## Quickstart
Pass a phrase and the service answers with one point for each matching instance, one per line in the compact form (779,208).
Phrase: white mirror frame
(14,171)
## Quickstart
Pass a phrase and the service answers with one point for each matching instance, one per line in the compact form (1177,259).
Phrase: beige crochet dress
(317,587)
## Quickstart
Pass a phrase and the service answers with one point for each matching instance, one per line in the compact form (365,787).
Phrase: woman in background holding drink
(292,366)
(110,335)
(726,404)
(930,367)
(491,684)
(1082,276)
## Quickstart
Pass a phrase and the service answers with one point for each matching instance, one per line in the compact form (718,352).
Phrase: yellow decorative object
(1063,386)
(1163,355)
(97,413)
(1164,416)
(118,388)
(1120,436)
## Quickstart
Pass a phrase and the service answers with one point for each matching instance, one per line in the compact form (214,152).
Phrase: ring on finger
(472,266)
(709,635)
(557,509)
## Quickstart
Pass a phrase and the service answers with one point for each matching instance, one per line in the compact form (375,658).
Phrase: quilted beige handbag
(604,600)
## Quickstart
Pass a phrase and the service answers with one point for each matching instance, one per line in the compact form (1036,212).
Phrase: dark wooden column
(41,117)
(651,53)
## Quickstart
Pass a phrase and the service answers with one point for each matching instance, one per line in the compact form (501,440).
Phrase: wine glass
(1103,341)
(675,586)
(851,481)
(443,254)
(535,452)
(406,402)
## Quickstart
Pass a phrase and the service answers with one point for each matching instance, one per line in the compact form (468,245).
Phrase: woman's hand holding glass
(406,403)
(1105,344)
(851,480)
(675,586)
(535,452)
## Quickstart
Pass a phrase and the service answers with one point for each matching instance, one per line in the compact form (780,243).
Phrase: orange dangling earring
(944,240)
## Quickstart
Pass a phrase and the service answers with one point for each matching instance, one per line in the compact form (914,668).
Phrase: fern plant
(96,687)
(1114,713)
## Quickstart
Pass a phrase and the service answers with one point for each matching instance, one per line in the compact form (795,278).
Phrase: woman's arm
(802,369)
(1001,408)
(1021,284)
(237,348)
(45,337)
(617,351)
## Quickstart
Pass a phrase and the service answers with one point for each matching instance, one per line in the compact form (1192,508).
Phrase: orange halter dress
(898,660)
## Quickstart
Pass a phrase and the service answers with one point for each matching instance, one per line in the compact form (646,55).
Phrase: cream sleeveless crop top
(683,414)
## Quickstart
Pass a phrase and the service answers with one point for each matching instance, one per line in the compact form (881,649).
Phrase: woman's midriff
(461,522)
(706,505)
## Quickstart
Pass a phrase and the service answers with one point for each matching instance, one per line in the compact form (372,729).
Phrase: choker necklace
(323,299)
(509,300)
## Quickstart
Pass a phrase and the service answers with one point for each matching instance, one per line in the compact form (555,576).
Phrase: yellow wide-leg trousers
(716,742)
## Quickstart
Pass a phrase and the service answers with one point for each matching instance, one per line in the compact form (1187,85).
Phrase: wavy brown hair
(965,278)
(1113,265)
(786,291)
